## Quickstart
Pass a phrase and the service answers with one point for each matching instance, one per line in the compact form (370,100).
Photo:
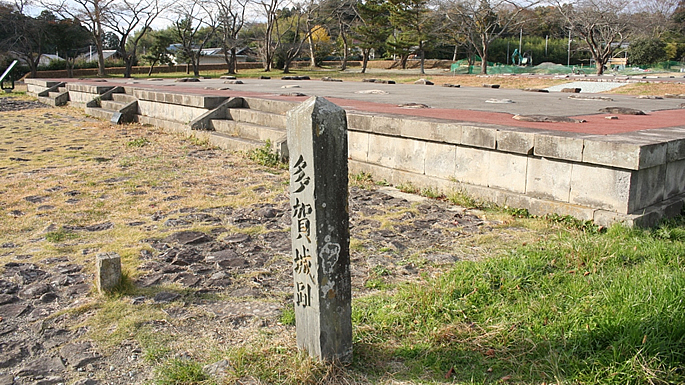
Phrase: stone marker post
(317,142)
(107,271)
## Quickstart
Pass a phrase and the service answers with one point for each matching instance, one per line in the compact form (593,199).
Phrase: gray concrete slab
(466,98)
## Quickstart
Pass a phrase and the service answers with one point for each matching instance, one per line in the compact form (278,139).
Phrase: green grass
(181,371)
(266,156)
(574,308)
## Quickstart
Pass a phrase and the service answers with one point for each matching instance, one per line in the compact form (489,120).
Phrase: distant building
(213,55)
(46,59)
(93,55)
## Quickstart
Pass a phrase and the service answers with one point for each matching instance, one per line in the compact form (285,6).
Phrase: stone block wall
(606,178)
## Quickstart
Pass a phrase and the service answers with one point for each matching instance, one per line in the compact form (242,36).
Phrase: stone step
(62,89)
(54,94)
(232,143)
(50,101)
(99,113)
(273,106)
(248,130)
(257,117)
(124,98)
(112,105)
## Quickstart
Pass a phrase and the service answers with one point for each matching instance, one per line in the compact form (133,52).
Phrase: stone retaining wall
(635,178)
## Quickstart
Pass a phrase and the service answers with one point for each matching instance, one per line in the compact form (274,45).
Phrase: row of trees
(283,30)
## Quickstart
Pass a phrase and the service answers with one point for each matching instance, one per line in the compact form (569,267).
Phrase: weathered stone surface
(599,187)
(233,82)
(188,238)
(79,354)
(107,271)
(536,90)
(559,146)
(622,111)
(317,136)
(507,171)
(451,85)
(373,92)
(548,179)
(11,354)
(219,369)
(471,166)
(43,366)
(491,85)
(6,379)
(591,97)
(295,78)
(34,290)
(519,141)
(571,90)
(413,105)
(330,79)
(187,80)
(424,82)
(165,297)
(477,136)
(547,119)
(440,160)
(13,310)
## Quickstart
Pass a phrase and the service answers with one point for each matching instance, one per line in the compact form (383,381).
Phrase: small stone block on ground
(107,271)
(491,85)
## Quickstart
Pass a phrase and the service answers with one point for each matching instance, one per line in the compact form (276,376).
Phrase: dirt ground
(204,240)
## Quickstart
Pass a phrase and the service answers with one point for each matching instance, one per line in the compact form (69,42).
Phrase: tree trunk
(233,67)
(312,59)
(70,67)
(423,59)
(365,58)
(600,67)
(346,49)
(196,67)
(128,64)
(484,60)
(286,66)
(152,65)
(403,61)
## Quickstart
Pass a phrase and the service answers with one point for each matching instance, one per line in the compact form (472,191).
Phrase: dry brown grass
(89,172)
(658,89)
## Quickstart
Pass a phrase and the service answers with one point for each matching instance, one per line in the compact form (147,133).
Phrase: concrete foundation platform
(630,169)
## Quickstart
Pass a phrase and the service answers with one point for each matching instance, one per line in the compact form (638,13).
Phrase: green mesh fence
(462,67)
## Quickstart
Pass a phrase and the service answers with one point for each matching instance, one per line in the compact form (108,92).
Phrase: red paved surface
(595,124)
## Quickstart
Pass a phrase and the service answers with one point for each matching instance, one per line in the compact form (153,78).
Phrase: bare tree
(602,24)
(344,13)
(266,45)
(231,22)
(127,16)
(194,25)
(655,17)
(483,21)
(93,14)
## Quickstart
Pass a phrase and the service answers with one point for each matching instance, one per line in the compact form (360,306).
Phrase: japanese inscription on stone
(317,141)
